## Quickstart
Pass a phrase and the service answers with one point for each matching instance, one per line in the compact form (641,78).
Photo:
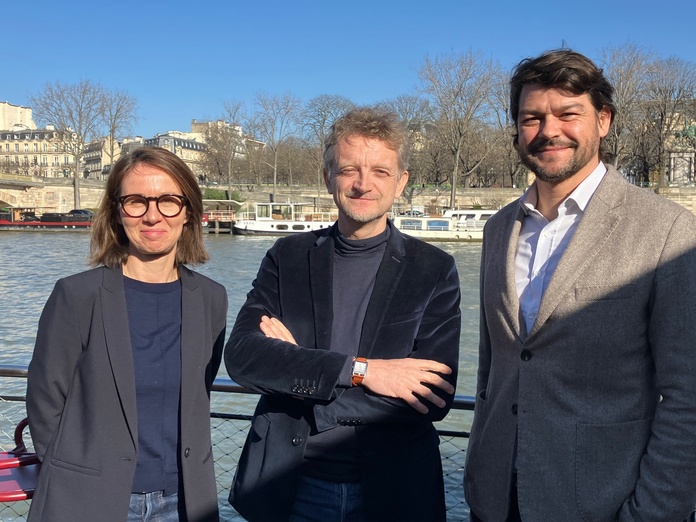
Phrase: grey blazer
(81,398)
(597,403)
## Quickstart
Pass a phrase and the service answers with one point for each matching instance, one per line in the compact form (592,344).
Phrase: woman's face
(152,235)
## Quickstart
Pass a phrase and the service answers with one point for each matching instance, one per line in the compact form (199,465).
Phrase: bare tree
(625,68)
(507,160)
(120,113)
(225,143)
(459,90)
(77,112)
(318,116)
(274,121)
(669,102)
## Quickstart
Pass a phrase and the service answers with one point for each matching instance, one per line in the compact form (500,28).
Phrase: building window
(26,147)
(16,147)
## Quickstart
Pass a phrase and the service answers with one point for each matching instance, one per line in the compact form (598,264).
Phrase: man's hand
(272,327)
(406,379)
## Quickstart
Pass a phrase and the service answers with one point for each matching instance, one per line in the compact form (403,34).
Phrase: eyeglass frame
(156,199)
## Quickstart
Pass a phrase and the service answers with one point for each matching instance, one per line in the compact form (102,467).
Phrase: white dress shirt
(541,243)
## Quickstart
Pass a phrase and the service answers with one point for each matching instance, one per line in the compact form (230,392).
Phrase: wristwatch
(359,370)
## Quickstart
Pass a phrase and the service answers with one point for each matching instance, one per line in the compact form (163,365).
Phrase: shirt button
(187,452)
(296,440)
(526,355)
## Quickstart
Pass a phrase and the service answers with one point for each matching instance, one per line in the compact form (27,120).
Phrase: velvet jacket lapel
(386,281)
(321,277)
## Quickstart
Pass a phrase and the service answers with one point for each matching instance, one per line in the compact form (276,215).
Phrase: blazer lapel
(192,332)
(594,230)
(118,345)
(321,277)
(498,268)
(386,281)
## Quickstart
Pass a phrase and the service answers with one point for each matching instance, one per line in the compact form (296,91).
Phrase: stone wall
(56,195)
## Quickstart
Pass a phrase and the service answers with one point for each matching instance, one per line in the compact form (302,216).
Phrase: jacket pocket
(605,292)
(607,461)
(74,467)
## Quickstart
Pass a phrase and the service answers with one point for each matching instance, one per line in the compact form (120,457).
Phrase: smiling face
(364,182)
(559,133)
(151,236)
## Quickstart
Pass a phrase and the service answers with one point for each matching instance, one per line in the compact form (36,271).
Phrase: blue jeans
(154,507)
(323,501)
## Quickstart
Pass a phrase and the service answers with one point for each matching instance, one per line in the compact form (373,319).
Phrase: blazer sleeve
(437,339)
(271,366)
(56,353)
(667,478)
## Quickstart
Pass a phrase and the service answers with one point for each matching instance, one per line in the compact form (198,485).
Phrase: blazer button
(295,389)
(187,452)
(312,390)
(526,355)
(296,440)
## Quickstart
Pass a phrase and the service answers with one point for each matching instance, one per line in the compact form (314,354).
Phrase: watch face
(359,368)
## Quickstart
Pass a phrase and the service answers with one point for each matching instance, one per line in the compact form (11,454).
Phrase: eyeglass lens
(169,205)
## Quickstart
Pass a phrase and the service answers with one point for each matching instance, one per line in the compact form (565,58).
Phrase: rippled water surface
(31,262)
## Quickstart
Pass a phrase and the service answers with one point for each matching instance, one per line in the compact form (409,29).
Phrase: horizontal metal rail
(461,402)
(228,432)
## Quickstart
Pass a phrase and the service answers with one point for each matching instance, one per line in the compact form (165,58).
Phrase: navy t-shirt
(154,320)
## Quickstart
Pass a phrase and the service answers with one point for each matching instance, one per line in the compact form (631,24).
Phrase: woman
(126,353)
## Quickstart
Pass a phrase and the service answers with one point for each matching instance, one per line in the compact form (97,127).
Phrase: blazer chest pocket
(605,292)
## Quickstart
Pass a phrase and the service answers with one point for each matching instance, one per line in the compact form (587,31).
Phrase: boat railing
(231,412)
(223,216)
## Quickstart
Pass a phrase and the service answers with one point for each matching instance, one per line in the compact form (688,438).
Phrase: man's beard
(558,173)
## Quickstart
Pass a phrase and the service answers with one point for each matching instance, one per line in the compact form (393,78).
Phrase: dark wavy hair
(565,70)
(109,243)
(368,122)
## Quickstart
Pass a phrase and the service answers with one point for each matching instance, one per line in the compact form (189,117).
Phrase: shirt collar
(580,196)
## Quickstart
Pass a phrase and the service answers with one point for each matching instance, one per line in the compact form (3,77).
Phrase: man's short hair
(368,122)
(565,70)
(109,243)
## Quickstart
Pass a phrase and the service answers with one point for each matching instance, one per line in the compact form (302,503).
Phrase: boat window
(410,224)
(438,224)
(263,211)
(282,212)
(298,227)
(281,227)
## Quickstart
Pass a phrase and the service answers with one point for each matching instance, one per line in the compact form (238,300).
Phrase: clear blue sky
(183,59)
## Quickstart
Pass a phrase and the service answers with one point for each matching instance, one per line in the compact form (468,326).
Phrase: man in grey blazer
(352,336)
(586,396)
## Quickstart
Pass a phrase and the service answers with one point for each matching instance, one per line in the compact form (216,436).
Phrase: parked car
(82,213)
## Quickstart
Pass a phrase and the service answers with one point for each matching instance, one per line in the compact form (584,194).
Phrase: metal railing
(230,420)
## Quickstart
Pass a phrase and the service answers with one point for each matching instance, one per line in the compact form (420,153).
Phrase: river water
(31,262)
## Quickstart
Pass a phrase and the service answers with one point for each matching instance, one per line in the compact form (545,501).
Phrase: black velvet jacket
(413,312)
